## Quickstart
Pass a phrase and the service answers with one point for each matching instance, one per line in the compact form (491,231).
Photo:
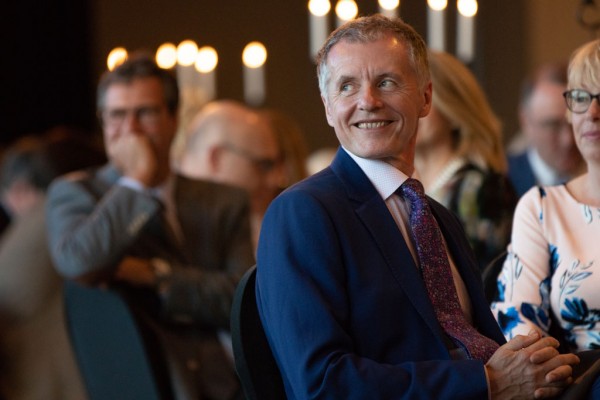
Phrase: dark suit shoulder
(520,173)
(518,161)
(324,186)
(195,197)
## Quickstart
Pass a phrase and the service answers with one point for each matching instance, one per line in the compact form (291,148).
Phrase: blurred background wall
(54,51)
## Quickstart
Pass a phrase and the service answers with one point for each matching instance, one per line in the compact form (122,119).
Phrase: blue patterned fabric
(550,269)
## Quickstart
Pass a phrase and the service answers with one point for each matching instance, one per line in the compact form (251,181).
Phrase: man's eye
(386,83)
(145,112)
(117,114)
(348,89)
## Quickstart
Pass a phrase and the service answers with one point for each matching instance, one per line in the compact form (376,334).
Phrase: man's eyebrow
(388,75)
(343,78)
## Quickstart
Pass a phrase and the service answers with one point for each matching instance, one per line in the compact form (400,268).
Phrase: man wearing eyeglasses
(173,247)
(551,156)
(230,143)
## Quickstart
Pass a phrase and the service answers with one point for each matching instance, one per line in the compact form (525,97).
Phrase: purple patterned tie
(438,276)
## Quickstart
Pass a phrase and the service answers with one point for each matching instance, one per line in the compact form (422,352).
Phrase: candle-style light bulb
(254,57)
(436,25)
(206,64)
(166,55)
(116,57)
(345,10)
(186,52)
(389,8)
(465,35)
(207,59)
(318,24)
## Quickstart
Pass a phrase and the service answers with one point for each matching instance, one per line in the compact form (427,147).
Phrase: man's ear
(427,97)
(327,112)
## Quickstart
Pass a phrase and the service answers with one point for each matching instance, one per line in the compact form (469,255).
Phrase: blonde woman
(553,261)
(460,157)
(549,281)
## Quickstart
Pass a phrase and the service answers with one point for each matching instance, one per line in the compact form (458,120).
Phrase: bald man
(228,142)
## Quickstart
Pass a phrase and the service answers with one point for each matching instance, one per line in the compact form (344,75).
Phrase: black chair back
(490,276)
(115,358)
(254,361)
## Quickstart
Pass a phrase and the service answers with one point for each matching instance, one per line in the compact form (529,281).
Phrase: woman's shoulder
(548,194)
(543,198)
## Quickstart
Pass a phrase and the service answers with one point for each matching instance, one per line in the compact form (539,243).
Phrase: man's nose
(131,121)
(369,98)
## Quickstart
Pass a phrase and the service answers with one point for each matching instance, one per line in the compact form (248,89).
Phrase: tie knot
(413,190)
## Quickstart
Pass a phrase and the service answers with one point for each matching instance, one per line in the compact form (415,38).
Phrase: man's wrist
(162,272)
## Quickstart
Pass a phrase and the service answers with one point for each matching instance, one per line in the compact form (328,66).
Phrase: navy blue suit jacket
(520,173)
(343,304)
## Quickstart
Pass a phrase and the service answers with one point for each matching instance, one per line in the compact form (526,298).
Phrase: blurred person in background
(230,143)
(292,142)
(173,247)
(550,156)
(320,159)
(460,157)
(38,361)
(549,278)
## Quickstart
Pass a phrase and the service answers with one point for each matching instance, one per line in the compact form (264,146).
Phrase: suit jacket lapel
(372,211)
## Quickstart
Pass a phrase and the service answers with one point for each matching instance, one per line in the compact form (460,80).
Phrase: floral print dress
(551,267)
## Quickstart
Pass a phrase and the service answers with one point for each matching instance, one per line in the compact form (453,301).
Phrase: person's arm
(525,274)
(88,235)
(90,231)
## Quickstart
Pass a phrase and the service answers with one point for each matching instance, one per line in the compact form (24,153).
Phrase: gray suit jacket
(93,223)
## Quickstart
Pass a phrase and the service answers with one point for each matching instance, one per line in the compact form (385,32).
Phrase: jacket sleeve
(88,234)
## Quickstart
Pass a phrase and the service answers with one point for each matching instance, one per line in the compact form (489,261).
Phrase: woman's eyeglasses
(579,100)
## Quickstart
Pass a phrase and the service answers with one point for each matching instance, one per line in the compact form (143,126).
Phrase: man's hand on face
(133,155)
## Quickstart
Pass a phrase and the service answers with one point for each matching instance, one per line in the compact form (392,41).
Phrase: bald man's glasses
(264,164)
(579,101)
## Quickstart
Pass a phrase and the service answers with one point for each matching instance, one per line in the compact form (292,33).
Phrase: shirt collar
(382,175)
(544,174)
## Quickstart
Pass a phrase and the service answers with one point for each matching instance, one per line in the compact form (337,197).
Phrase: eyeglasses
(145,115)
(264,164)
(579,100)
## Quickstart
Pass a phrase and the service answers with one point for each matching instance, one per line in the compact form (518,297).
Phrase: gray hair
(369,29)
